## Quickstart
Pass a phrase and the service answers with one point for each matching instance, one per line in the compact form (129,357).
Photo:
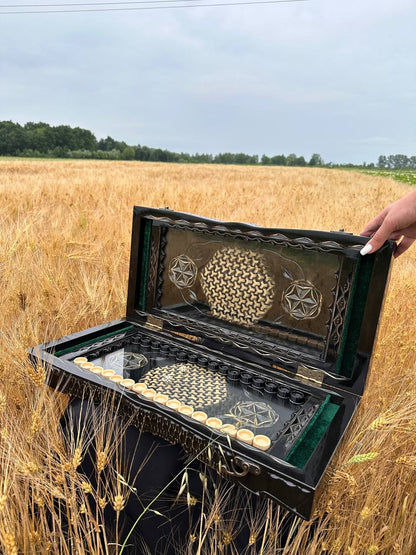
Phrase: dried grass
(64,250)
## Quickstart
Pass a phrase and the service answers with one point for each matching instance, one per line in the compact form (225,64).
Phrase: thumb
(378,239)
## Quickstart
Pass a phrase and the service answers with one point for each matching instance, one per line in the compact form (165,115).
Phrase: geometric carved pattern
(302,300)
(238,286)
(152,266)
(189,383)
(161,267)
(254,414)
(339,312)
(182,271)
(297,424)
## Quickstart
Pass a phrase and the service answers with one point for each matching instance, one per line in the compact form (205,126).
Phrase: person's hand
(397,221)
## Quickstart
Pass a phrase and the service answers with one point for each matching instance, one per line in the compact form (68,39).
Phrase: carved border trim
(235,339)
(275,239)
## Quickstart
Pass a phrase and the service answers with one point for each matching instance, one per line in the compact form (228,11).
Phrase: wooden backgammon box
(248,346)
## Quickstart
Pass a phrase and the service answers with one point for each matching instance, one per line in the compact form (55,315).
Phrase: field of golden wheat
(64,253)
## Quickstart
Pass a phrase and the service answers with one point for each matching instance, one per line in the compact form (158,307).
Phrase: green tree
(401,161)
(107,144)
(382,162)
(64,137)
(224,158)
(279,160)
(128,153)
(316,160)
(300,161)
(291,159)
(84,139)
(12,138)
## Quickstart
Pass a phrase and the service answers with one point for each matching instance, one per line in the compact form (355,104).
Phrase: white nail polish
(365,250)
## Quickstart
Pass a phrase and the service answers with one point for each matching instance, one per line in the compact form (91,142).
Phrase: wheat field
(64,254)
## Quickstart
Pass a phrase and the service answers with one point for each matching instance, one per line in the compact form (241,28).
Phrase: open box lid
(297,301)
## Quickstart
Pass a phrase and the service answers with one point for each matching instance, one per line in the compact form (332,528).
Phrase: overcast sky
(326,76)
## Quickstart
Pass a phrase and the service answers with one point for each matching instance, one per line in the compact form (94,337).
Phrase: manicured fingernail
(365,250)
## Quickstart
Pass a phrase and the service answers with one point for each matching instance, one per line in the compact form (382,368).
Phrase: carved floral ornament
(302,300)
(182,271)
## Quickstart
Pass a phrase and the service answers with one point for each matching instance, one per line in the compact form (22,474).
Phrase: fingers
(382,234)
(396,235)
(404,244)
(396,221)
(372,226)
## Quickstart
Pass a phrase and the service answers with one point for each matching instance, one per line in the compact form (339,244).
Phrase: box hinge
(312,376)
(153,323)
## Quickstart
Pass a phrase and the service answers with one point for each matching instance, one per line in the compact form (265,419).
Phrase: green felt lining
(354,316)
(90,341)
(145,251)
(306,444)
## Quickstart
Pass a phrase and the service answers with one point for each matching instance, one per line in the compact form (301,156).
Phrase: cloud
(317,76)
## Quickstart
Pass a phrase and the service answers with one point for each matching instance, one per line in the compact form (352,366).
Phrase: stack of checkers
(189,383)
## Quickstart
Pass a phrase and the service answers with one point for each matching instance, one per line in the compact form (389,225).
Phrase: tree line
(63,141)
(397,162)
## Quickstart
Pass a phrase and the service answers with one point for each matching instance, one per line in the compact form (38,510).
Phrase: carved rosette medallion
(302,300)
(182,271)
(254,414)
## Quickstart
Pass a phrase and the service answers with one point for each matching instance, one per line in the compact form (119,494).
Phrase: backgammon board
(248,346)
